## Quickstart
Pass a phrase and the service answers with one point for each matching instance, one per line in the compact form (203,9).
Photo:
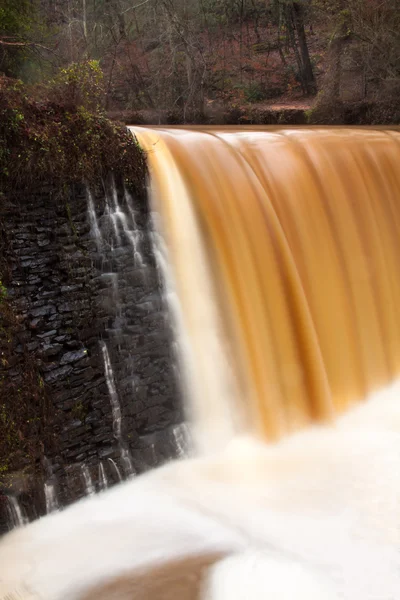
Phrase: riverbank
(283,113)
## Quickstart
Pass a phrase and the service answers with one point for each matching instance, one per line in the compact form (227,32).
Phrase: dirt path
(304,104)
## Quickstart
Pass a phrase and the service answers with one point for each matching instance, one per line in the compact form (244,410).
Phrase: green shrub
(79,85)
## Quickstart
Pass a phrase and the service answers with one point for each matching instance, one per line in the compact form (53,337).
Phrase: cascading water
(103,481)
(116,412)
(131,231)
(111,232)
(94,226)
(116,469)
(17,518)
(182,439)
(50,497)
(123,224)
(204,356)
(50,490)
(284,248)
(242,213)
(118,241)
(88,482)
(181,353)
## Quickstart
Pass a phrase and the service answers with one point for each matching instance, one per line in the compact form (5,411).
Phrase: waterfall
(280,255)
(173,307)
(123,224)
(103,482)
(286,319)
(17,518)
(131,230)
(94,226)
(87,478)
(116,469)
(182,439)
(112,390)
(135,234)
(117,235)
(50,492)
(116,412)
(189,291)
(181,348)
(50,497)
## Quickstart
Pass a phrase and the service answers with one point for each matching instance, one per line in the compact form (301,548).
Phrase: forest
(203,57)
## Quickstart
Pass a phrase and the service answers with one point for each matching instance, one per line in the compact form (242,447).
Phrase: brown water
(285,252)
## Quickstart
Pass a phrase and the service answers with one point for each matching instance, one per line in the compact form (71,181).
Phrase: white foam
(327,500)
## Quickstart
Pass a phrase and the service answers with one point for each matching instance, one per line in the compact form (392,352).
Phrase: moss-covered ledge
(42,141)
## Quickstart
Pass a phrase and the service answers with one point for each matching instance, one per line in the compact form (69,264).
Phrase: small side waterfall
(96,233)
(17,518)
(122,224)
(181,345)
(116,469)
(129,229)
(87,478)
(116,234)
(129,292)
(116,412)
(182,439)
(50,490)
(50,497)
(103,481)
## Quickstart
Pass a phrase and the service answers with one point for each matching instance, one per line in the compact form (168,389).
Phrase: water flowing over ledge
(279,253)
(284,246)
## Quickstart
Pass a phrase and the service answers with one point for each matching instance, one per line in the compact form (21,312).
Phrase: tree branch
(134,7)
(24,44)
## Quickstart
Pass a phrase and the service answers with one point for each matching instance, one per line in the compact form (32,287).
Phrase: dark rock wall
(71,294)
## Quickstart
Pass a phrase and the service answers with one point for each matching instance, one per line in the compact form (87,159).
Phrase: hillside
(196,60)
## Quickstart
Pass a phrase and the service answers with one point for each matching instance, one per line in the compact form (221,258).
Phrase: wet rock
(93,417)
(79,379)
(71,357)
(108,453)
(102,437)
(78,306)
(73,344)
(34,279)
(32,346)
(61,338)
(55,321)
(70,288)
(51,350)
(42,311)
(73,425)
(47,334)
(57,374)
(81,365)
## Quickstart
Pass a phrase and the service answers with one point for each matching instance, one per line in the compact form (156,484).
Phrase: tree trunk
(307,74)
(292,42)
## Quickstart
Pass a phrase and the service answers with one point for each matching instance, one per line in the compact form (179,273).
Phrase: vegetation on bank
(59,133)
